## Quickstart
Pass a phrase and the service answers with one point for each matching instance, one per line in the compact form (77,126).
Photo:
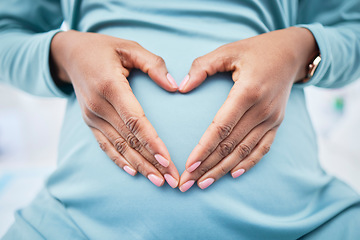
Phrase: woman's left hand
(264,69)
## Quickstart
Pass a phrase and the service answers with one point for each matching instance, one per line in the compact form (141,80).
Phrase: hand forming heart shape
(264,69)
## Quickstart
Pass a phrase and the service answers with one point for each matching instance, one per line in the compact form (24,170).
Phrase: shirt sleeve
(26,30)
(335,25)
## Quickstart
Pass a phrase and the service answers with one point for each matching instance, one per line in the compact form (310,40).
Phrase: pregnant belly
(98,193)
(107,203)
(181,119)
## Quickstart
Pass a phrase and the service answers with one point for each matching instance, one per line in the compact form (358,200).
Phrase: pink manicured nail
(207,182)
(155,179)
(163,161)
(129,170)
(186,185)
(184,82)
(171,80)
(238,173)
(193,167)
(171,181)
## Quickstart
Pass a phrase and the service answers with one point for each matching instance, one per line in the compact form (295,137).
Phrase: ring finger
(231,163)
(149,167)
(225,165)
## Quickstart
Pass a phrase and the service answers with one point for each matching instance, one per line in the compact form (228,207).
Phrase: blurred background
(30,128)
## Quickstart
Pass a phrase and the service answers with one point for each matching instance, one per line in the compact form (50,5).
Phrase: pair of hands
(264,69)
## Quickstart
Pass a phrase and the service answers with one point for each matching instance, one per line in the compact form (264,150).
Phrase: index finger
(121,97)
(234,107)
(149,63)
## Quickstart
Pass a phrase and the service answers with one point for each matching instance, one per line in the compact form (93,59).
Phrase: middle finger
(241,150)
(150,164)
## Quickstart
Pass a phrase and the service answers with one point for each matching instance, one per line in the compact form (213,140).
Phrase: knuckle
(254,95)
(275,119)
(281,117)
(225,148)
(198,62)
(93,107)
(123,50)
(223,130)
(278,116)
(88,116)
(134,43)
(116,160)
(227,62)
(159,61)
(261,88)
(133,142)
(252,163)
(244,150)
(133,124)
(266,112)
(265,149)
(253,92)
(203,169)
(120,145)
(158,166)
(103,145)
(222,170)
(104,87)
(146,144)
(124,53)
(203,69)
(139,166)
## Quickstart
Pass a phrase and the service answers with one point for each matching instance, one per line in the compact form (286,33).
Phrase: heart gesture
(108,104)
(264,69)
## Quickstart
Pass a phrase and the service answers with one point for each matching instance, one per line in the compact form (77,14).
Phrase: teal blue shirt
(286,196)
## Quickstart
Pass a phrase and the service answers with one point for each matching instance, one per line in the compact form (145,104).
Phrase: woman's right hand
(98,66)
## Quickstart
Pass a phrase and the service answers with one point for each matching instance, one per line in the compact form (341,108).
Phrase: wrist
(58,59)
(306,50)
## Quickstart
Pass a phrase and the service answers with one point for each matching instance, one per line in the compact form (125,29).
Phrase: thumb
(149,63)
(205,66)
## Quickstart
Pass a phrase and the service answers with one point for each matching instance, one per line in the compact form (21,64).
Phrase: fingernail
(171,181)
(163,161)
(206,183)
(186,185)
(193,167)
(238,173)
(171,80)
(184,82)
(155,179)
(129,170)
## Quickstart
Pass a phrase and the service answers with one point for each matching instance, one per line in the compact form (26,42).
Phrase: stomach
(107,203)
(270,200)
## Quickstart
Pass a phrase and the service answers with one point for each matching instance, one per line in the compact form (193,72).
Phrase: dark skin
(264,69)
(98,66)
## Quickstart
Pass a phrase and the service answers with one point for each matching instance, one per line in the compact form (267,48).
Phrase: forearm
(340,49)
(24,62)
(26,31)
